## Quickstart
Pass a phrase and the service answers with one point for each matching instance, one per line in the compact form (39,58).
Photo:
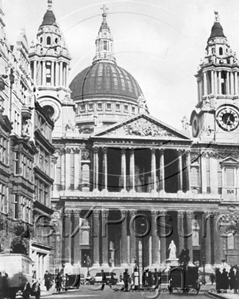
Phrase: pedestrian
(47,278)
(0,285)
(234,278)
(126,280)
(4,285)
(58,282)
(212,278)
(136,279)
(103,276)
(184,257)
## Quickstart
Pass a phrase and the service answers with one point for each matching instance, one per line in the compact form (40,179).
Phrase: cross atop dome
(49,3)
(104,8)
(216,16)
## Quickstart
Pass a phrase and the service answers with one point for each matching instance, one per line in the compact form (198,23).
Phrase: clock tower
(216,116)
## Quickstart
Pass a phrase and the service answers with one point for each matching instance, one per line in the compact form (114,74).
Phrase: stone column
(180,230)
(105,242)
(188,170)
(96,169)
(213,174)
(220,82)
(232,83)
(189,217)
(208,245)
(204,83)
(96,235)
(104,170)
(155,239)
(52,73)
(44,73)
(63,185)
(60,73)
(132,235)
(216,84)
(180,171)
(68,168)
(161,170)
(217,240)
(76,237)
(212,82)
(132,170)
(204,172)
(35,72)
(123,169)
(163,250)
(236,83)
(124,246)
(57,73)
(77,169)
(153,170)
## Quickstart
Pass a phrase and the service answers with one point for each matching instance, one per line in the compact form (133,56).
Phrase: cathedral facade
(126,184)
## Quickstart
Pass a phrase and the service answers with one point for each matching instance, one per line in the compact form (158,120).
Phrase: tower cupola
(104,41)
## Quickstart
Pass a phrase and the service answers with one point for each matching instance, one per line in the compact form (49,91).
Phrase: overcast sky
(160,42)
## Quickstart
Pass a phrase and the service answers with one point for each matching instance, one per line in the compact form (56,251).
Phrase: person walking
(103,280)
(47,278)
(126,280)
(136,279)
(58,281)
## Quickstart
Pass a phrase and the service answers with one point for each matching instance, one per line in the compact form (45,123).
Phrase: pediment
(142,126)
(229,161)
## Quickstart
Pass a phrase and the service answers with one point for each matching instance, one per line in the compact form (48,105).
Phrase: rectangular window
(117,107)
(72,171)
(108,106)
(229,177)
(90,107)
(126,108)
(17,163)
(99,106)
(208,174)
(16,206)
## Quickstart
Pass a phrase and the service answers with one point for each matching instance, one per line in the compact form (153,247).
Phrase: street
(85,292)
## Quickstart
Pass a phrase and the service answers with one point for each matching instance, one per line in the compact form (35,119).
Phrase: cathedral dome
(105,93)
(105,79)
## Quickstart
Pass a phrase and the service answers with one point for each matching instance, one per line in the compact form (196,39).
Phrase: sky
(160,42)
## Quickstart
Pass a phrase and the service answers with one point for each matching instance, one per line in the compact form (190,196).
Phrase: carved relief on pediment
(143,128)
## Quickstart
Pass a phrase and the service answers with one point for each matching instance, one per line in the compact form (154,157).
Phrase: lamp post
(12,79)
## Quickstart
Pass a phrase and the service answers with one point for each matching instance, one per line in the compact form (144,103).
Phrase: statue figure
(172,248)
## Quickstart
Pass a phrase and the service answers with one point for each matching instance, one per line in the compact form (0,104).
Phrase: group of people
(49,281)
(227,277)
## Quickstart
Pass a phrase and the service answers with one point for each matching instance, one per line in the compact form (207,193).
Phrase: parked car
(19,280)
(98,278)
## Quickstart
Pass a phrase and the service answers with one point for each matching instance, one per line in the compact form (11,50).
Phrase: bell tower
(216,116)
(50,65)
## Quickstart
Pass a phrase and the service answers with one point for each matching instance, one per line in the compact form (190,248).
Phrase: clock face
(228,118)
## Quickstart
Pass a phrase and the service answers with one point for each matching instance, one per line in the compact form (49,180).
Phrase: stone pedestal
(172,261)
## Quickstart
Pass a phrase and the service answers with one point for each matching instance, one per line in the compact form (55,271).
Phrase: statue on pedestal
(172,248)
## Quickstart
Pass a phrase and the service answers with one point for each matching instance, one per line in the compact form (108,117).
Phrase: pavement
(206,289)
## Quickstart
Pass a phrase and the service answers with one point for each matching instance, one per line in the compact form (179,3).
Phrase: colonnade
(59,72)
(158,237)
(183,167)
(211,83)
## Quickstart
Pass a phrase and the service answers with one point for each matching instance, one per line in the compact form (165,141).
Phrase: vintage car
(19,281)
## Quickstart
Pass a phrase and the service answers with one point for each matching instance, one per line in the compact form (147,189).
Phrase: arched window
(213,50)
(41,40)
(105,45)
(220,51)
(48,41)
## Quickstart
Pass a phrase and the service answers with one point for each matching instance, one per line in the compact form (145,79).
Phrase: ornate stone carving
(143,127)
(181,214)
(96,213)
(162,213)
(132,212)
(105,213)
(85,154)
(124,212)
(68,150)
(189,214)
